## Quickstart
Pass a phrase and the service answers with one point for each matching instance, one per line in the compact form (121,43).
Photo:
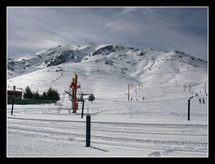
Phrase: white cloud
(34,28)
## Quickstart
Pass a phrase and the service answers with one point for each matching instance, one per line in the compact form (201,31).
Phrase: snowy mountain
(141,128)
(107,69)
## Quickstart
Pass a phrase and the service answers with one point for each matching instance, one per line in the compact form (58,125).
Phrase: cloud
(128,10)
(33,29)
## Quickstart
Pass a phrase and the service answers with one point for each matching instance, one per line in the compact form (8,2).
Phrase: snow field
(113,132)
(154,127)
(42,138)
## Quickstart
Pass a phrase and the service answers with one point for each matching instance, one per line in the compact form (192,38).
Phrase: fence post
(12,106)
(82,112)
(188,115)
(88,130)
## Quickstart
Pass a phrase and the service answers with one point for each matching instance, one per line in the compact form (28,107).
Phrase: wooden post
(88,130)
(12,106)
(188,114)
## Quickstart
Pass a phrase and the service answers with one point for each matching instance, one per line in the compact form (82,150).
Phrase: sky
(33,29)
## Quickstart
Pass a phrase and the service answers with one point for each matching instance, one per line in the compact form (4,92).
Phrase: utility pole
(205,88)
(185,85)
(128,92)
(189,88)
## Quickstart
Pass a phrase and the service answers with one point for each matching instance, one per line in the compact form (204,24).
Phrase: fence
(169,137)
(170,109)
(29,101)
(175,109)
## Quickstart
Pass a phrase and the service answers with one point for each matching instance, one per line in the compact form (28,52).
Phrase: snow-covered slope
(107,69)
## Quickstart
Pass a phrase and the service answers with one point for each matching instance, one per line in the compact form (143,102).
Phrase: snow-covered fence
(169,109)
(174,109)
(199,108)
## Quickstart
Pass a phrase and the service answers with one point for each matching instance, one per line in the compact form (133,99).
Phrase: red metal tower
(74,86)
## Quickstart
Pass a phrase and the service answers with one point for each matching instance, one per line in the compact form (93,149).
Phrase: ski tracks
(161,139)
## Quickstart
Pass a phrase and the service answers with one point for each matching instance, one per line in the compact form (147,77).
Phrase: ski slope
(154,127)
(107,69)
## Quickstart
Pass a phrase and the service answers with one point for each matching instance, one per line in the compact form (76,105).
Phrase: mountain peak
(151,67)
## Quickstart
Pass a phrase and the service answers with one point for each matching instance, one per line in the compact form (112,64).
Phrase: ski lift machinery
(74,86)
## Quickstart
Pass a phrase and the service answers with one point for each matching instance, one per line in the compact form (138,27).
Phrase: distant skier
(203,100)
(143,98)
(200,101)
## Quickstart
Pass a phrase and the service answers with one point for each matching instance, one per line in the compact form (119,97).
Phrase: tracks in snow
(165,137)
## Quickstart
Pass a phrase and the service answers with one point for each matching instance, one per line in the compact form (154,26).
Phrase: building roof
(10,88)
(11,91)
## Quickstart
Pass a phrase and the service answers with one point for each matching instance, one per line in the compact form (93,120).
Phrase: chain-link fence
(194,109)
(179,109)
(199,108)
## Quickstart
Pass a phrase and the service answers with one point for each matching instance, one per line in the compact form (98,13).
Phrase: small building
(14,93)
